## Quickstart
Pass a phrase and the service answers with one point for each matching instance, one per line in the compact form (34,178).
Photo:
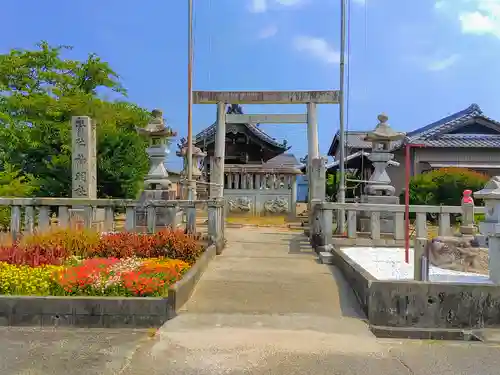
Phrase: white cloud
(289,2)
(442,64)
(258,6)
(318,48)
(261,6)
(268,32)
(479,17)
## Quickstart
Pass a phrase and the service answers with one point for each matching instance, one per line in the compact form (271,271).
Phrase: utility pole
(191,182)
(341,192)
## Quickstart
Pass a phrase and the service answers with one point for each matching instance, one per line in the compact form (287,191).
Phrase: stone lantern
(157,186)
(490,227)
(379,189)
(158,135)
(381,138)
(198,157)
(197,163)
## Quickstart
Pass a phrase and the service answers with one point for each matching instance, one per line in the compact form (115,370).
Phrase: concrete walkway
(267,307)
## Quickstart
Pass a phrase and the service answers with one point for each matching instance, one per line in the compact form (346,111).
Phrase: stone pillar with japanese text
(84,169)
(84,164)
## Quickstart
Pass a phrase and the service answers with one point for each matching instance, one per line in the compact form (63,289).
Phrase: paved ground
(67,351)
(263,307)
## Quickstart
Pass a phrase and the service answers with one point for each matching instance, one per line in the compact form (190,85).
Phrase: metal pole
(408,148)
(407,203)
(341,193)
(191,183)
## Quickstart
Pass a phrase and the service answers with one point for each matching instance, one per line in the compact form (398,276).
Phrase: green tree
(13,184)
(39,93)
(332,188)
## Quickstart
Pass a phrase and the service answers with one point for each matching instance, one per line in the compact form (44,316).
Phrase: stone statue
(458,254)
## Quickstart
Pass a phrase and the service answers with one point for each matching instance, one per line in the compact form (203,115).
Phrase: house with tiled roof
(466,139)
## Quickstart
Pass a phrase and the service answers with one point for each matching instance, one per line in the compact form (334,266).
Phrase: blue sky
(416,60)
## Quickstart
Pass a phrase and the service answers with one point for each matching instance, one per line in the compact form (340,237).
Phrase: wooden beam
(266,97)
(266,119)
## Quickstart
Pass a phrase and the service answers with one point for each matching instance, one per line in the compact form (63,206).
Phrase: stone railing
(260,193)
(30,214)
(321,228)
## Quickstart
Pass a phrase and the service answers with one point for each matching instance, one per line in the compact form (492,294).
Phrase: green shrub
(444,187)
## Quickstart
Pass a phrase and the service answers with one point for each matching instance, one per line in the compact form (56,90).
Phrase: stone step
(489,335)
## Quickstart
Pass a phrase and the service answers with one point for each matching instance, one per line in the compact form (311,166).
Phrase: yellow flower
(26,280)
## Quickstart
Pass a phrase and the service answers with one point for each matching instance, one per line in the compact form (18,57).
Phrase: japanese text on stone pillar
(83,158)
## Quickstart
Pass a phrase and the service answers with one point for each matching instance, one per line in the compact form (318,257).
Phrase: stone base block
(77,218)
(163,218)
(386,218)
(326,257)
(482,240)
(386,225)
(379,199)
(467,229)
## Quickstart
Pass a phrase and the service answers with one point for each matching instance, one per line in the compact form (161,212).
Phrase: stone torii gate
(316,164)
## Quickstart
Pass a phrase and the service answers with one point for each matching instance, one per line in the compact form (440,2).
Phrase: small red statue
(467,197)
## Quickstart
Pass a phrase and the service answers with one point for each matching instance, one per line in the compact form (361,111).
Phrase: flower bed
(94,277)
(82,263)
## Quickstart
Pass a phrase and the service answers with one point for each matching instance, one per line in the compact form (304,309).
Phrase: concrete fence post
(191,218)
(317,195)
(216,224)
(490,227)
(325,230)
(419,273)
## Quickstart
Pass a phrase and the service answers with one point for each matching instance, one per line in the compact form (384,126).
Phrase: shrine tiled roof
(438,133)
(253,128)
(284,163)
(282,160)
